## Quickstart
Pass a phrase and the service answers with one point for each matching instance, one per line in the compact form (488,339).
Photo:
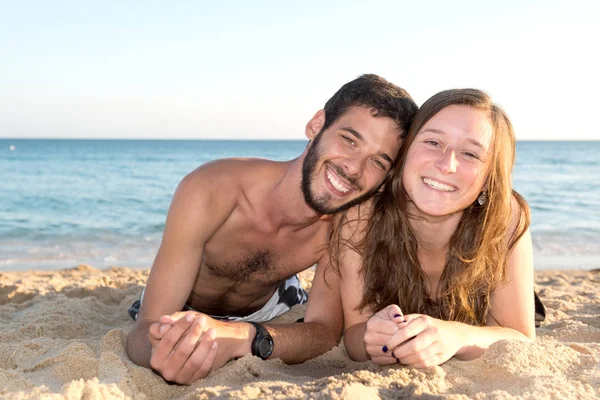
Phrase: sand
(62,336)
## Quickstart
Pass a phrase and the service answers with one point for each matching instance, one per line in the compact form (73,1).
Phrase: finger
(383,360)
(185,347)
(413,327)
(196,359)
(153,331)
(173,318)
(158,330)
(394,313)
(377,351)
(381,326)
(209,362)
(424,358)
(417,344)
(167,344)
(376,339)
(410,317)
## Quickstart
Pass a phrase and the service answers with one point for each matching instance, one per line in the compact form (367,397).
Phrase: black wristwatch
(262,345)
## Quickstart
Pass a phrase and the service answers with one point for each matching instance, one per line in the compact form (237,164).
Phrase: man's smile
(337,181)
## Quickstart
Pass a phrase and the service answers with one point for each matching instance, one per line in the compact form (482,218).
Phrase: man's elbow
(135,345)
(333,339)
(329,335)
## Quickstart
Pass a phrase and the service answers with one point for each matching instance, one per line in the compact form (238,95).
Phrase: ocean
(104,202)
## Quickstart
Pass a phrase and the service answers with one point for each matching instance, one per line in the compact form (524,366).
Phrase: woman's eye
(432,142)
(471,155)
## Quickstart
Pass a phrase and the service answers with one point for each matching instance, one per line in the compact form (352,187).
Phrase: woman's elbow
(530,334)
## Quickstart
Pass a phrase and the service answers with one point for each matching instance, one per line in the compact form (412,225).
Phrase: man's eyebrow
(360,137)
(440,132)
(385,157)
(354,133)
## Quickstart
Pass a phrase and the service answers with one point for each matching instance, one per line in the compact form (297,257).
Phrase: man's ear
(314,126)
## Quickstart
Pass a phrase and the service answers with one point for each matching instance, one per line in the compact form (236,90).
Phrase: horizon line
(242,139)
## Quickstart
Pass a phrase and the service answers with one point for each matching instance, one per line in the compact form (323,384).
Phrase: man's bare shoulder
(232,172)
(219,185)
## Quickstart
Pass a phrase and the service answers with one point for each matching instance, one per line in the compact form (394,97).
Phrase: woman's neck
(433,238)
(433,233)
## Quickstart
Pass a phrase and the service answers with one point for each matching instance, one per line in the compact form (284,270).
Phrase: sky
(261,69)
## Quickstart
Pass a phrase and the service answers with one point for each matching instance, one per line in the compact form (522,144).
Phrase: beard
(321,204)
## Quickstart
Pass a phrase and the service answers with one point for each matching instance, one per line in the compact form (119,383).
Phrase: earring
(482,199)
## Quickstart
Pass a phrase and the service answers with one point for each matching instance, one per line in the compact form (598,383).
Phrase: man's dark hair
(371,91)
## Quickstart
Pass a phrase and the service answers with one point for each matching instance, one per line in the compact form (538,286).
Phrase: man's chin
(326,209)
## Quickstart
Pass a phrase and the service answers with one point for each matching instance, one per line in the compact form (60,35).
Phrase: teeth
(336,182)
(438,185)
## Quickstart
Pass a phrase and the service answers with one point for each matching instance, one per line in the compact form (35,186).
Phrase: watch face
(265,347)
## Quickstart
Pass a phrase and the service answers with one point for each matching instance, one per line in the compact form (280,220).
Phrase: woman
(446,242)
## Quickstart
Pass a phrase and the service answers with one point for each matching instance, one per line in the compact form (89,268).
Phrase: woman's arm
(511,317)
(351,290)
(364,337)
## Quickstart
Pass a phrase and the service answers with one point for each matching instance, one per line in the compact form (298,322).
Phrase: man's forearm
(138,346)
(296,343)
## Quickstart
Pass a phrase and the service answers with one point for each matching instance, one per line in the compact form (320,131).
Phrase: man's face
(346,163)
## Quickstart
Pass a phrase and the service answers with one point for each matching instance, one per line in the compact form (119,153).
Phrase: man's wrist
(262,344)
(245,333)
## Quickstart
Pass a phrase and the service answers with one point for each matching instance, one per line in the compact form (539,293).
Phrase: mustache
(339,171)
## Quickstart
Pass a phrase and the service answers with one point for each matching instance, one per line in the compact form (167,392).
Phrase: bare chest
(253,256)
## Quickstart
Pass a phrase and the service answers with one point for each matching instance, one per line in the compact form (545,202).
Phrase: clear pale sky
(261,69)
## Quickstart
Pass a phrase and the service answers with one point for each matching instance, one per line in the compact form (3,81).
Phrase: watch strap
(261,334)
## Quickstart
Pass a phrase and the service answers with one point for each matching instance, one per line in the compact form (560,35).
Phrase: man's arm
(323,320)
(195,214)
(293,343)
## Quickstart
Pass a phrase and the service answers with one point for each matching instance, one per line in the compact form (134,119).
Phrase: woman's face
(446,165)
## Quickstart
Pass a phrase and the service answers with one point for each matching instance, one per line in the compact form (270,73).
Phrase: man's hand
(174,355)
(424,341)
(183,350)
(380,329)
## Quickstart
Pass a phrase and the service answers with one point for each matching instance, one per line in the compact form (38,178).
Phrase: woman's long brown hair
(478,250)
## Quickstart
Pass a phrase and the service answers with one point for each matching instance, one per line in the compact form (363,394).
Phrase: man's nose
(353,166)
(447,162)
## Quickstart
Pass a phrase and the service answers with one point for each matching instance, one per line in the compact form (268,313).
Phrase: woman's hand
(380,330)
(424,341)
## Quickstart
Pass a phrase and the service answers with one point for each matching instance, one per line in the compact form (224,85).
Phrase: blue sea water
(104,202)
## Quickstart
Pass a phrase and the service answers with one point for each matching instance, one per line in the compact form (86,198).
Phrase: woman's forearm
(354,342)
(477,339)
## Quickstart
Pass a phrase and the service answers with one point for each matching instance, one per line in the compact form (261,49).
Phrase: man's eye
(379,164)
(349,140)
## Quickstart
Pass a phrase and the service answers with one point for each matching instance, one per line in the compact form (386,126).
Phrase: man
(238,230)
